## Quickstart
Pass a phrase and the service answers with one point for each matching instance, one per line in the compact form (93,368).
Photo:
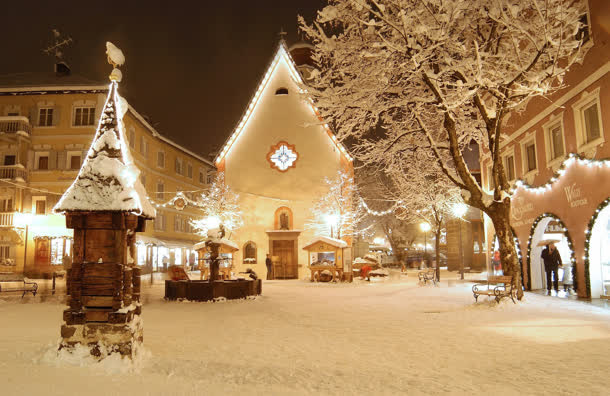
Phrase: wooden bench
(496,286)
(427,275)
(17,283)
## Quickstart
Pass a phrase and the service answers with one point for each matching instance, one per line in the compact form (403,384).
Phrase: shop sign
(574,196)
(519,208)
(554,227)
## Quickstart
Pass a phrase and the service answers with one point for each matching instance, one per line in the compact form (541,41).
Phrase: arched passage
(548,227)
(597,252)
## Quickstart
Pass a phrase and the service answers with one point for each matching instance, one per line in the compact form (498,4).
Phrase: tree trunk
(499,212)
(437,244)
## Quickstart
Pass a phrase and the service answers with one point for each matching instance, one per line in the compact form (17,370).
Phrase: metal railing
(15,124)
(6,219)
(13,172)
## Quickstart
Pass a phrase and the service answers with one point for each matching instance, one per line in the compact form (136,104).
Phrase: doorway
(283,257)
(599,255)
(544,229)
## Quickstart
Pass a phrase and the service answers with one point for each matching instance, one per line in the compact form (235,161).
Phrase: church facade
(276,160)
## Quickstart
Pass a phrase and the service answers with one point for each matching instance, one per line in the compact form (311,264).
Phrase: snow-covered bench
(496,286)
(428,275)
(17,283)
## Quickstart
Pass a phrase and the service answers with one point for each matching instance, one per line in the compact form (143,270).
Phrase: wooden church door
(287,268)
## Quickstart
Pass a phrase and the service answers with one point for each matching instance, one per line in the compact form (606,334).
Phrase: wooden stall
(226,250)
(326,255)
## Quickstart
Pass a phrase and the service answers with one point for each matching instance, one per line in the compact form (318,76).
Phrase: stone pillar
(105,308)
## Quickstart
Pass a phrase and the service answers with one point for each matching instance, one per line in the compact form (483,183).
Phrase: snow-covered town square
(388,337)
(305,197)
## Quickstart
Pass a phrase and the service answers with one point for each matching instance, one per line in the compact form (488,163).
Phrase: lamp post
(460,210)
(425,227)
(23,220)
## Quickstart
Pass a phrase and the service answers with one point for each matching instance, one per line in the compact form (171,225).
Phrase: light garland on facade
(588,233)
(572,159)
(570,247)
(282,54)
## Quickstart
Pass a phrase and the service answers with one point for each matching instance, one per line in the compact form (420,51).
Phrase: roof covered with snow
(108,179)
(331,241)
(48,81)
(223,241)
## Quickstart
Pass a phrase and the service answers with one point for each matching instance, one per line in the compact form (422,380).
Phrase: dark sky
(191,66)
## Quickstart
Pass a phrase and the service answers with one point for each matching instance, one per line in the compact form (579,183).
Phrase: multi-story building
(47,122)
(556,155)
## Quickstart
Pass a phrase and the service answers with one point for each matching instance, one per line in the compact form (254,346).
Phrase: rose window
(282,156)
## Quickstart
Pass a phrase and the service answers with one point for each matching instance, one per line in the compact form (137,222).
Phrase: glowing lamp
(331,219)
(425,227)
(459,209)
(23,219)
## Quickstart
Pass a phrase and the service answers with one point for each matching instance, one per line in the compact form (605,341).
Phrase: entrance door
(287,267)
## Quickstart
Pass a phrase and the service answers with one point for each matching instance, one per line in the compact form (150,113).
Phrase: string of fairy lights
(588,233)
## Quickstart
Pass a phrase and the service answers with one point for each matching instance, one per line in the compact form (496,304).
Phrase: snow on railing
(14,124)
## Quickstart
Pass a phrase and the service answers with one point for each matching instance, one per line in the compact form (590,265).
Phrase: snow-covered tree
(337,213)
(424,78)
(220,209)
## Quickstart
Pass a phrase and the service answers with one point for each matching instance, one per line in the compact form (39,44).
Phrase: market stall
(326,260)
(227,248)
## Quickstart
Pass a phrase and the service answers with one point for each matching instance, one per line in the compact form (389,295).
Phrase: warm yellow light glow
(425,227)
(379,241)
(459,209)
(23,219)
(332,219)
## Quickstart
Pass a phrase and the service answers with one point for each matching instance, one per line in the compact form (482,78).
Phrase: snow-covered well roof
(108,180)
(331,241)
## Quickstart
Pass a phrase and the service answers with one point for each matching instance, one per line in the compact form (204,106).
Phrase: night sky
(190,66)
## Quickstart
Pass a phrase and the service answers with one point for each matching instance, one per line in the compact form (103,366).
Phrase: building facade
(276,160)
(556,157)
(47,122)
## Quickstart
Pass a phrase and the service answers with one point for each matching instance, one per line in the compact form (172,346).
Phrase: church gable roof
(282,54)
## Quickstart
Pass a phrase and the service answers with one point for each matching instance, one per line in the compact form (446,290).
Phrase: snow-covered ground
(390,336)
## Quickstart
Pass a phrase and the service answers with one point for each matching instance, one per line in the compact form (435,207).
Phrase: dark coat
(552,260)
(268,262)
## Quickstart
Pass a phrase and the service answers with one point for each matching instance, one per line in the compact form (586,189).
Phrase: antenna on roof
(55,48)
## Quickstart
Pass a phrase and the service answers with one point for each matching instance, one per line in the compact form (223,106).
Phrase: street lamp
(331,220)
(23,220)
(425,227)
(459,210)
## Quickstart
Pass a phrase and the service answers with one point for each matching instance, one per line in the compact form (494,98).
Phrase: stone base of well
(122,333)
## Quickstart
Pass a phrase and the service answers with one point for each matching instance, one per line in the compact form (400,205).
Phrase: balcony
(15,124)
(6,219)
(13,172)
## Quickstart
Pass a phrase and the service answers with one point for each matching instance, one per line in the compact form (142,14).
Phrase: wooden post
(214,262)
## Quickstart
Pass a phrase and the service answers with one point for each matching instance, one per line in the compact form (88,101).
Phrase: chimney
(62,69)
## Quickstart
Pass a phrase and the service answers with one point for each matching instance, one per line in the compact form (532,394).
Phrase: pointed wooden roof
(281,55)
(108,179)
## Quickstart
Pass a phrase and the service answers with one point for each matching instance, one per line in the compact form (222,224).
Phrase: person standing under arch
(552,261)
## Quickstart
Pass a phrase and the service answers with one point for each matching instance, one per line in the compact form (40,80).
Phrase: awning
(164,242)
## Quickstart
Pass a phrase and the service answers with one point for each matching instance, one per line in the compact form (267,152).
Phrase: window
(283,218)
(5,252)
(556,142)
(201,177)
(143,146)
(6,204)
(84,116)
(490,179)
(178,166)
(12,114)
(210,178)
(583,32)
(40,205)
(43,162)
(132,138)
(75,162)
(250,253)
(160,221)
(160,159)
(57,251)
(588,123)
(189,171)
(160,190)
(10,160)
(281,91)
(45,116)
(530,156)
(509,167)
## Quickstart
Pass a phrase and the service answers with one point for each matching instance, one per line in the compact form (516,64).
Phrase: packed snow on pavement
(390,336)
